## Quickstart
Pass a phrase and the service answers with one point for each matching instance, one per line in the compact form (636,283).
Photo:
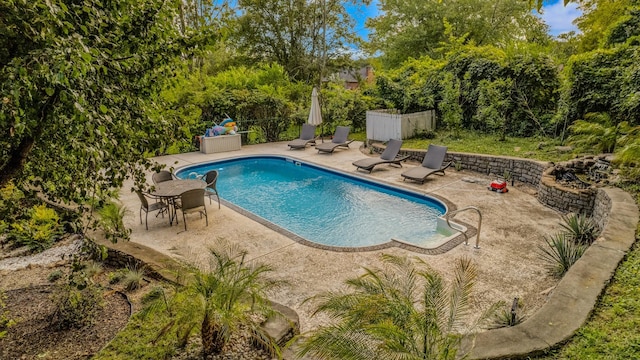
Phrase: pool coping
(445,245)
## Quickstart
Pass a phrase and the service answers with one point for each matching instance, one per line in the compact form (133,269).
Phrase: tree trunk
(16,162)
(18,157)
(212,337)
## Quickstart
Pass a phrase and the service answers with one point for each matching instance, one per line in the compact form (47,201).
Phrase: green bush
(156,293)
(426,135)
(116,276)
(133,278)
(5,320)
(508,315)
(561,252)
(93,268)
(111,216)
(580,228)
(39,231)
(74,307)
(55,276)
(10,197)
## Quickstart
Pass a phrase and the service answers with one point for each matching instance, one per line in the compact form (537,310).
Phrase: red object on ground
(498,186)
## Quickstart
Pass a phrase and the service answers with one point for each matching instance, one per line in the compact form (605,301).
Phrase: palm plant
(111,220)
(580,228)
(227,296)
(598,132)
(629,156)
(561,252)
(403,311)
(508,316)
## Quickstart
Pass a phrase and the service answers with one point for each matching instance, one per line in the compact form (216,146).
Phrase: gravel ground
(49,256)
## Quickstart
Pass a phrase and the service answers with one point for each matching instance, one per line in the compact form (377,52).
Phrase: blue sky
(554,13)
(560,17)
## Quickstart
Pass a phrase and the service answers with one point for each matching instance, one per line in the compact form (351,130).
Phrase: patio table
(172,189)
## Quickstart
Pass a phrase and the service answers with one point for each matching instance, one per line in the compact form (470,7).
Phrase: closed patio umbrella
(315,116)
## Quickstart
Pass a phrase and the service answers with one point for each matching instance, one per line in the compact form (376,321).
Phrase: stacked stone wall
(562,198)
(521,170)
(601,209)
(121,260)
(537,174)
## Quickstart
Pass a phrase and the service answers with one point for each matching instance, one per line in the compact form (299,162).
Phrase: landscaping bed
(28,300)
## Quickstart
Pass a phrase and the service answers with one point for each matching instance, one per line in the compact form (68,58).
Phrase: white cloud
(559,17)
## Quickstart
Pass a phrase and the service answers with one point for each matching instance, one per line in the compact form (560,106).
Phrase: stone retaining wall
(601,209)
(537,174)
(562,198)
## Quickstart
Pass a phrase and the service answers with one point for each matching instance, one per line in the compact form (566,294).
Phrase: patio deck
(514,224)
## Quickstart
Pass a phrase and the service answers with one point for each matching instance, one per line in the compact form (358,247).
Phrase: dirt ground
(513,227)
(28,300)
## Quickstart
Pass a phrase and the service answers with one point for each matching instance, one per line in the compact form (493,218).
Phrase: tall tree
(297,34)
(78,80)
(416,27)
(597,17)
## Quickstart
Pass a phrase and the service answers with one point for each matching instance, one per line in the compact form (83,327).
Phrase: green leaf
(78,106)
(103,109)
(86,57)
(49,91)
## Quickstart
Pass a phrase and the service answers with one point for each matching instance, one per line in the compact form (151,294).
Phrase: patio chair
(388,156)
(339,140)
(211,178)
(432,164)
(192,201)
(307,136)
(145,206)
(161,176)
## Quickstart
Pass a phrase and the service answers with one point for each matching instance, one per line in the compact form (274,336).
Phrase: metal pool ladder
(466,237)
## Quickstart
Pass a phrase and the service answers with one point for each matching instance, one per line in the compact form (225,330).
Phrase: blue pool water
(323,206)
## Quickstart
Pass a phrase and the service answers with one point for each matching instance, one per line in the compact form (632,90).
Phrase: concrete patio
(509,266)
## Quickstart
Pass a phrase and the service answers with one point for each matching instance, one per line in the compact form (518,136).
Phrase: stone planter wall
(563,198)
(601,209)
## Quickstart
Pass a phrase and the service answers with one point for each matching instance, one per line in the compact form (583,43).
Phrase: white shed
(383,125)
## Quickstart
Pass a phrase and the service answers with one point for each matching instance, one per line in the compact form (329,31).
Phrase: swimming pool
(325,206)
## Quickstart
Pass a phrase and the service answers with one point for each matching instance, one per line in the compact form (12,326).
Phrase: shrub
(404,310)
(92,269)
(426,134)
(508,316)
(55,276)
(74,307)
(580,228)
(223,299)
(111,216)
(116,276)
(133,278)
(156,293)
(561,252)
(38,231)
(10,197)
(5,321)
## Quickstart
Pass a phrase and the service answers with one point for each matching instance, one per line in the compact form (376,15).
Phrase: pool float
(228,121)
(230,125)
(219,130)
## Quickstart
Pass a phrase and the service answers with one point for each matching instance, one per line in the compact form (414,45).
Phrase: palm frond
(560,253)
(403,311)
(339,342)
